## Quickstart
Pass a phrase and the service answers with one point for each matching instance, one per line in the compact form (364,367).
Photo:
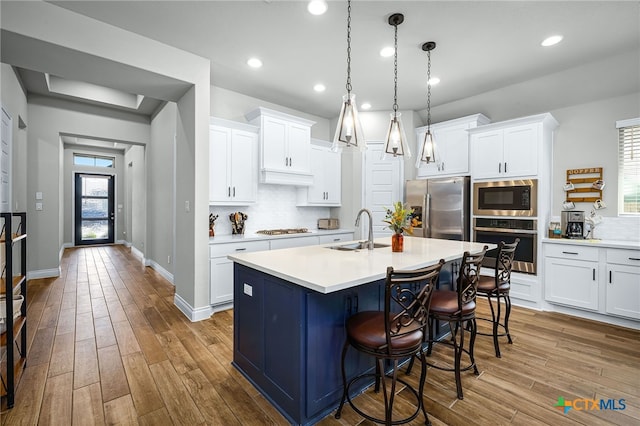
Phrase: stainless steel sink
(361,245)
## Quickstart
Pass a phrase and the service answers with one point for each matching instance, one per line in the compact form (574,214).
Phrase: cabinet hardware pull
(443,166)
(356,299)
(336,239)
(349,305)
(241,249)
(594,274)
(634,258)
(499,167)
(234,191)
(569,252)
(610,280)
(505,167)
(228,191)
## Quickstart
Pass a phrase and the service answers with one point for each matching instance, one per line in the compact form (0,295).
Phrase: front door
(94,212)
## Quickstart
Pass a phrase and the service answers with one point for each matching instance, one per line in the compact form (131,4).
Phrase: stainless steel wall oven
(494,230)
(506,198)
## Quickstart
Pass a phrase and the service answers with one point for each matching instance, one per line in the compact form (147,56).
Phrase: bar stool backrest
(407,300)
(504,261)
(468,277)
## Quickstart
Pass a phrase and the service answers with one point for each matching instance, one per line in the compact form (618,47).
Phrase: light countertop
(633,245)
(324,270)
(224,239)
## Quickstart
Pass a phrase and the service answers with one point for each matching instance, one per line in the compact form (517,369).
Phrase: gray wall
(136,197)
(68,186)
(161,187)
(48,119)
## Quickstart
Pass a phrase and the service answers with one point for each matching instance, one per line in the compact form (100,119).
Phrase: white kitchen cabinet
(572,276)
(285,147)
(233,154)
(221,268)
(512,148)
(623,283)
(326,169)
(451,146)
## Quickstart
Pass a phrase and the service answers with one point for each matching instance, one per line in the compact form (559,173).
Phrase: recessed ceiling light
(387,51)
(319,87)
(434,80)
(254,63)
(365,105)
(317,7)
(550,41)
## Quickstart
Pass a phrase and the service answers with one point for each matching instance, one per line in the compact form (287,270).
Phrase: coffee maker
(572,223)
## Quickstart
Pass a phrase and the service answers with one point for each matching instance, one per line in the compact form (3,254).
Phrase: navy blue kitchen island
(290,308)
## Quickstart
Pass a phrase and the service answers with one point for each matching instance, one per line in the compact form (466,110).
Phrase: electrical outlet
(187,206)
(168,259)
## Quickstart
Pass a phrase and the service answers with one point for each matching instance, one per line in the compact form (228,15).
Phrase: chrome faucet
(370,240)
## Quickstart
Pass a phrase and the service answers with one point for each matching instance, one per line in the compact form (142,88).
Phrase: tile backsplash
(275,208)
(622,228)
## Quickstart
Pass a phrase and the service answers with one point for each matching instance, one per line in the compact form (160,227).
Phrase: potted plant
(400,220)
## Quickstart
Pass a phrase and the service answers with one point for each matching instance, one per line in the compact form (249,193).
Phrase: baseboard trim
(140,255)
(43,273)
(159,269)
(194,314)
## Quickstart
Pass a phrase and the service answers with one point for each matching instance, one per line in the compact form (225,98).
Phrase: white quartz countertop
(634,245)
(225,239)
(324,270)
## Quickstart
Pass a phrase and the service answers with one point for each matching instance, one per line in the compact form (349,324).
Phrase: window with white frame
(93,160)
(629,166)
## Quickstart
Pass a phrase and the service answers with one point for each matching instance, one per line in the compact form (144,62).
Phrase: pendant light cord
(429,90)
(348,48)
(395,72)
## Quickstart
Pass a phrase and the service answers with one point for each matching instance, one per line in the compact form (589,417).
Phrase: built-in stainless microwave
(506,198)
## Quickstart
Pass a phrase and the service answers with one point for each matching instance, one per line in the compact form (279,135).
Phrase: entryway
(94,215)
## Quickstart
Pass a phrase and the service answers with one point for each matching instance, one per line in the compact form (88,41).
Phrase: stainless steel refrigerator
(442,205)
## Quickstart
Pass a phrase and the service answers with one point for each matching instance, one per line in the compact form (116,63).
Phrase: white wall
(48,119)
(68,187)
(137,206)
(161,187)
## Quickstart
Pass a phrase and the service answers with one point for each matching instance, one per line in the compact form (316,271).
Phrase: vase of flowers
(400,220)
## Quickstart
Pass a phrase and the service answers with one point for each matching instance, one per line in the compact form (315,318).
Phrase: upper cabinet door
(486,154)
(274,144)
(244,166)
(219,159)
(521,150)
(299,148)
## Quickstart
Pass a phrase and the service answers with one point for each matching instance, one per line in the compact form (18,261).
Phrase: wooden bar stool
(395,334)
(498,286)
(458,308)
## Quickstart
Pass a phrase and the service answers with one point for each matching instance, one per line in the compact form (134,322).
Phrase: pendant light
(396,142)
(428,144)
(349,129)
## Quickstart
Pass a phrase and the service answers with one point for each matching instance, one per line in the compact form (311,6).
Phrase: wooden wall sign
(583,180)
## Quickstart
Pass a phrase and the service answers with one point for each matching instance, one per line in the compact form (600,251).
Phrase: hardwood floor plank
(144,392)
(149,344)
(104,332)
(155,418)
(99,308)
(127,342)
(40,351)
(182,409)
(112,376)
(62,354)
(115,311)
(88,409)
(134,315)
(84,326)
(120,411)
(176,352)
(86,370)
(49,317)
(56,404)
(66,321)
(213,408)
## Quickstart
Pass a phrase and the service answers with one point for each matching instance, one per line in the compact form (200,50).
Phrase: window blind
(629,165)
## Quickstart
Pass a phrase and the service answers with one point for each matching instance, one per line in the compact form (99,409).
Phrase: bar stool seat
(366,330)
(446,302)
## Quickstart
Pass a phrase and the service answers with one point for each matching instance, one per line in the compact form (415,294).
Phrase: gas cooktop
(282,231)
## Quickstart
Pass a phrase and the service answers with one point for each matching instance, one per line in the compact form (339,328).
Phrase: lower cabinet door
(571,282)
(623,291)
(220,280)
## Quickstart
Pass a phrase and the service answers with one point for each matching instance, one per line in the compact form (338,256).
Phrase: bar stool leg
(496,323)
(344,381)
(458,348)
(507,303)
(472,343)
(423,377)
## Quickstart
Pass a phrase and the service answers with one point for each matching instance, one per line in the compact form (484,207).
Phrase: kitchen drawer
(568,251)
(217,250)
(281,243)
(334,238)
(623,257)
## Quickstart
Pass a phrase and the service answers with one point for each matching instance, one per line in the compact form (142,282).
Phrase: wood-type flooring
(107,346)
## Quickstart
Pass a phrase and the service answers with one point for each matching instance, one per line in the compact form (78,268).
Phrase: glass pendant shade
(428,148)
(396,141)
(349,129)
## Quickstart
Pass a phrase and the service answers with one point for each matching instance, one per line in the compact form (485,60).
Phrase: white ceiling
(482,46)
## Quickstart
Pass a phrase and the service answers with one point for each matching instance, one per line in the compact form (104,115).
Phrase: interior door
(94,214)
